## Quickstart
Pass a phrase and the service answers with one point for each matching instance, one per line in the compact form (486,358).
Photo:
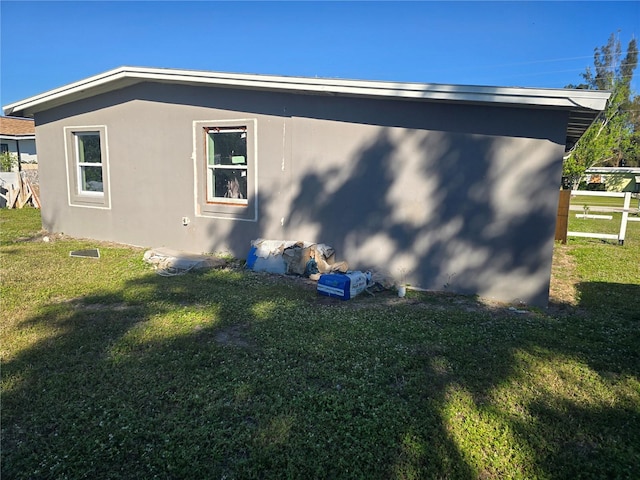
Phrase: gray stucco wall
(460,197)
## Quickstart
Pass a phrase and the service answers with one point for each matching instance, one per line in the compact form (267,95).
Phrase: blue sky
(535,44)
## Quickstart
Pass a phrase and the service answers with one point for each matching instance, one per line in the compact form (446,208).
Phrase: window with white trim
(225,156)
(87,166)
(89,163)
(227,167)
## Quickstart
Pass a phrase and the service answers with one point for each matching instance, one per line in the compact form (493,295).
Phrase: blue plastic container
(342,285)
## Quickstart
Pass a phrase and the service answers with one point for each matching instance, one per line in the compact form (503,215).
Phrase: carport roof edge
(583,105)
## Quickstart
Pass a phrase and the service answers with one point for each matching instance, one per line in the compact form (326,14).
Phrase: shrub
(8,161)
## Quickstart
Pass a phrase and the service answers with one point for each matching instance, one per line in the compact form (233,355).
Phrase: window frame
(77,195)
(206,205)
(212,168)
(81,165)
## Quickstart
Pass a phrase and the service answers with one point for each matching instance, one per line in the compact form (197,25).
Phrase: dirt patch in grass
(234,335)
(41,236)
(80,305)
(562,295)
(52,237)
(99,307)
(563,291)
(564,278)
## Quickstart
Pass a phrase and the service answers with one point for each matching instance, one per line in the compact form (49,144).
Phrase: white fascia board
(124,76)
(17,137)
(72,91)
(589,99)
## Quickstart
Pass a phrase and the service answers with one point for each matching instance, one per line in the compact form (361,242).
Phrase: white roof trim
(631,170)
(29,136)
(125,76)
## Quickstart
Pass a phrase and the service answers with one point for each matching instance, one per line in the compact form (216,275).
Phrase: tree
(631,146)
(8,161)
(610,139)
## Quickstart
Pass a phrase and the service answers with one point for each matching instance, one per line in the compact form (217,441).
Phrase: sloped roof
(583,105)
(17,127)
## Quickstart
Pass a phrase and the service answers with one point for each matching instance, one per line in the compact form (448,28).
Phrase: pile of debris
(294,258)
(16,191)
(316,261)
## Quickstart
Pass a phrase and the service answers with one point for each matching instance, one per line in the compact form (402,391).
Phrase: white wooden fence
(626,207)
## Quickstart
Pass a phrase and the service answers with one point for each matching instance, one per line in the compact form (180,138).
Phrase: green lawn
(598,201)
(604,226)
(112,371)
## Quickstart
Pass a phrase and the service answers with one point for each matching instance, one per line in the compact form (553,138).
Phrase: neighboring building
(612,179)
(18,137)
(455,186)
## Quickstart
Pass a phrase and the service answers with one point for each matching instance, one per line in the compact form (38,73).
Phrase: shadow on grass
(235,375)
(617,299)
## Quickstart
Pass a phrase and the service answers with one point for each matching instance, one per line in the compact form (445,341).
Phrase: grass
(112,371)
(594,201)
(602,225)
(581,200)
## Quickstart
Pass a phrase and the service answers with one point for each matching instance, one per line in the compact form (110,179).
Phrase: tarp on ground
(291,257)
(174,262)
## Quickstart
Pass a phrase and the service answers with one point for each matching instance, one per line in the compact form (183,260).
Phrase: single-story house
(18,138)
(612,179)
(449,187)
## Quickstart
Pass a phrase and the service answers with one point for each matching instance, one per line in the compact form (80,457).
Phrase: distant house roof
(614,170)
(13,128)
(583,106)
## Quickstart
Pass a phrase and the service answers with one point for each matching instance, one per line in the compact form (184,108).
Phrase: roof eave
(584,105)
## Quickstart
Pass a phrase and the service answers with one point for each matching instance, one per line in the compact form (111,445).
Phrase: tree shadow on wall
(452,217)
(465,217)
